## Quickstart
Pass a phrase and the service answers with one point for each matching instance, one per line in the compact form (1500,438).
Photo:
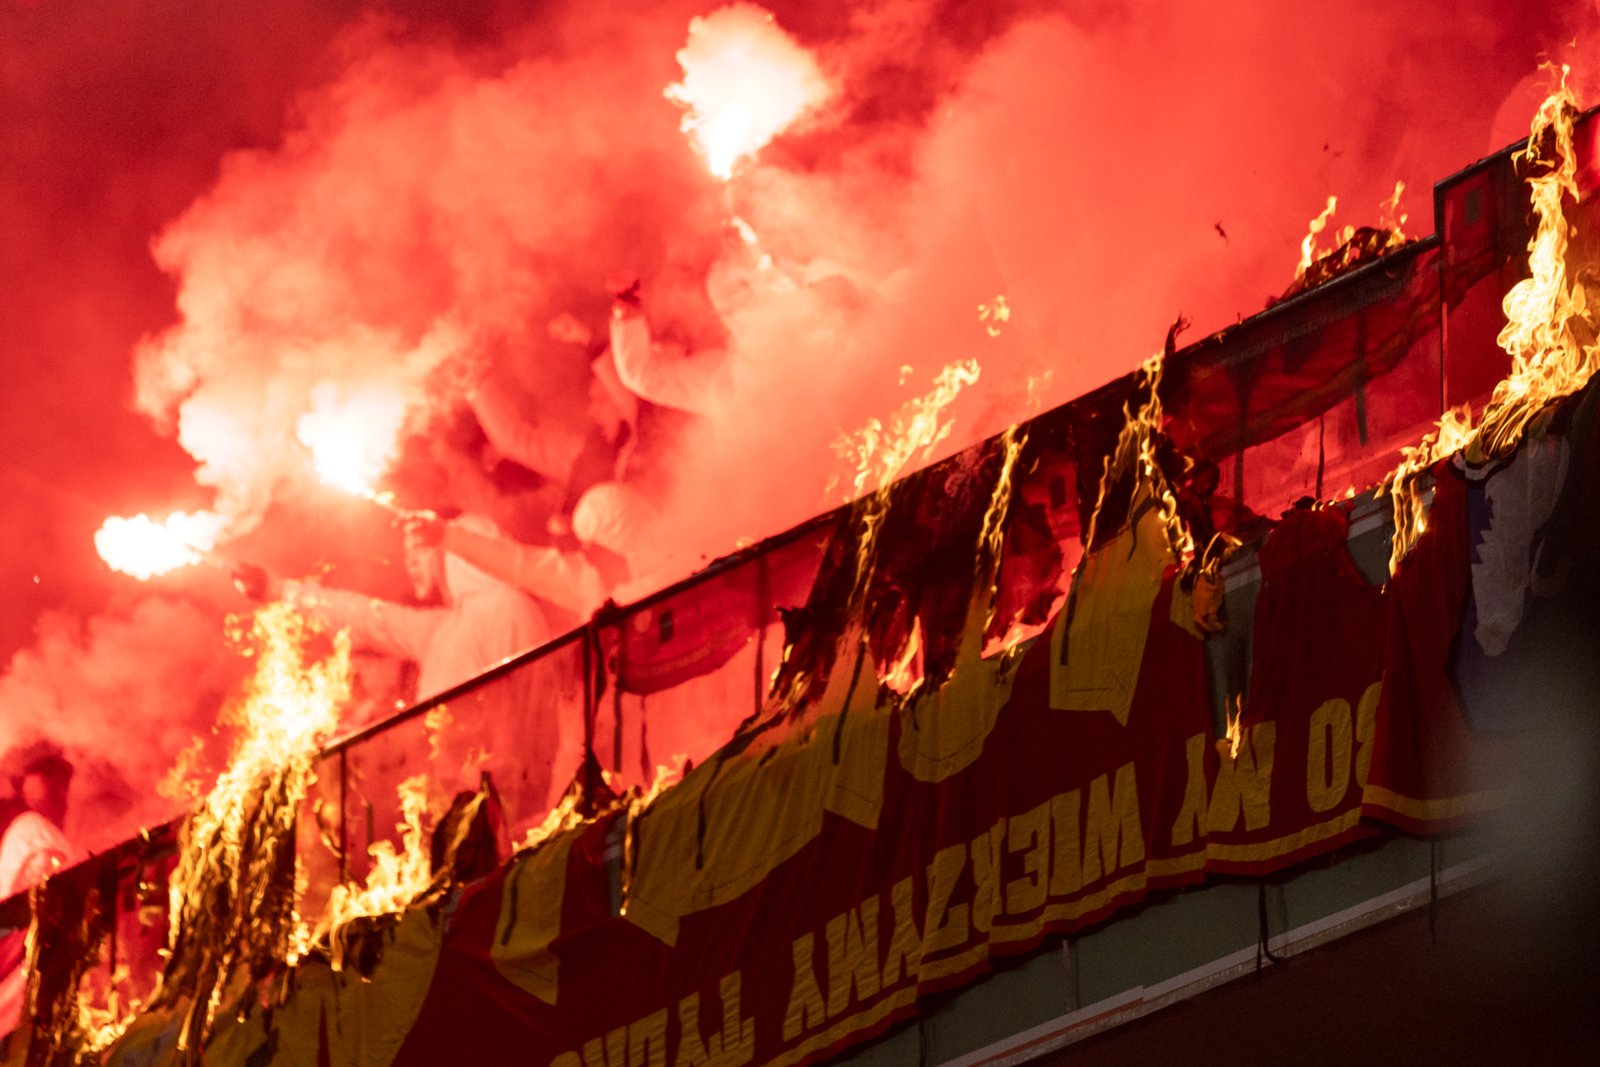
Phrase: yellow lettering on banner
(1112,838)
(946,927)
(805,1009)
(853,955)
(1192,816)
(1066,872)
(986,853)
(1328,755)
(1366,726)
(609,1051)
(1244,783)
(567,1059)
(738,1032)
(736,1045)
(1029,835)
(647,1041)
(691,1046)
(906,944)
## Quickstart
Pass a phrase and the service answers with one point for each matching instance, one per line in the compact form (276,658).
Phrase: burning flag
(1547,361)
(143,548)
(745,80)
(232,895)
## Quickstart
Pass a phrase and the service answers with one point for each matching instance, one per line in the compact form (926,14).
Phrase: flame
(992,538)
(1547,361)
(667,775)
(745,80)
(992,315)
(396,878)
(905,673)
(1454,432)
(352,438)
(1308,244)
(1391,217)
(561,818)
(1136,449)
(143,548)
(882,453)
(230,910)
(1235,735)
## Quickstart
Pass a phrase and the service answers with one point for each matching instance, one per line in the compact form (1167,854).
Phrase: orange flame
(1309,253)
(561,818)
(1235,735)
(225,902)
(1391,217)
(1547,361)
(906,672)
(667,775)
(397,877)
(1453,432)
(143,548)
(1136,448)
(745,80)
(882,453)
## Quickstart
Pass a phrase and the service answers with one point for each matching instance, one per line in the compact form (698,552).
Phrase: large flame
(232,894)
(144,548)
(745,80)
(1547,361)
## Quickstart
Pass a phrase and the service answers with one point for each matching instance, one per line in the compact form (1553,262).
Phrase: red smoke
(379,201)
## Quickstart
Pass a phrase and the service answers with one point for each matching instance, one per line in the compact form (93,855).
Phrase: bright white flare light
(745,80)
(143,548)
(351,438)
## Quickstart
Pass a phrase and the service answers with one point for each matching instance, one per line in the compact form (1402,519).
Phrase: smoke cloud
(221,223)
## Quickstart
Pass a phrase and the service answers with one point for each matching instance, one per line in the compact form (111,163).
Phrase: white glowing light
(745,80)
(143,548)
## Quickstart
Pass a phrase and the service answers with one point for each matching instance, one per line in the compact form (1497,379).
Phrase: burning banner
(1548,361)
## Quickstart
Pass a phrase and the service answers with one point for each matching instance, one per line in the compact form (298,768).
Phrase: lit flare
(352,438)
(745,80)
(144,548)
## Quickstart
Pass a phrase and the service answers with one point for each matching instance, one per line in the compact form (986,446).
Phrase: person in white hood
(611,523)
(478,622)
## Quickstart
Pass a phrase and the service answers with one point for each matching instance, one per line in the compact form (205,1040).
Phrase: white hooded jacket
(483,622)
